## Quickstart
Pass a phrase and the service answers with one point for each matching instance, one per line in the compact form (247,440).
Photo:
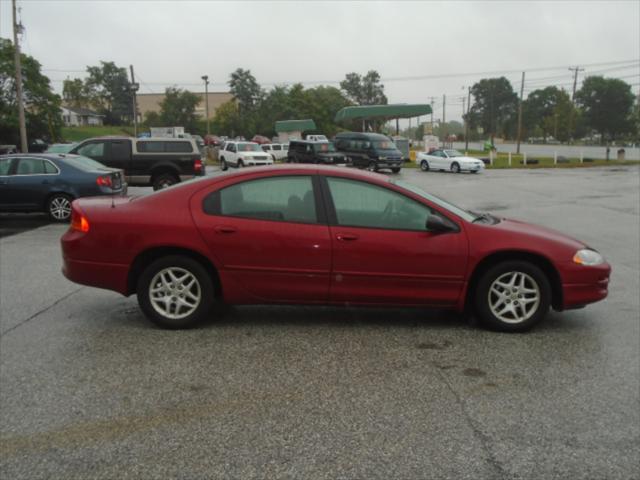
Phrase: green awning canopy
(383,111)
(295,125)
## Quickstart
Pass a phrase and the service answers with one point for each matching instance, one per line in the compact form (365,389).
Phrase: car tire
(59,207)
(512,296)
(424,166)
(240,164)
(175,292)
(395,170)
(223,165)
(372,167)
(455,167)
(164,180)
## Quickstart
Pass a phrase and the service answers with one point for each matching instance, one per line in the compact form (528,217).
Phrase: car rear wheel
(455,167)
(223,164)
(164,180)
(175,292)
(424,166)
(59,207)
(395,170)
(512,296)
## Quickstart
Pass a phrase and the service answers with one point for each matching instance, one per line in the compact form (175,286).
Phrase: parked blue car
(50,182)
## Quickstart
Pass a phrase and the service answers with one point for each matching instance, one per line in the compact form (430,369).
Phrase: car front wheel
(455,167)
(175,292)
(59,207)
(424,166)
(223,165)
(372,167)
(512,296)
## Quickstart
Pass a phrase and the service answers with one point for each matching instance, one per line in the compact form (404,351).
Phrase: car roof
(48,156)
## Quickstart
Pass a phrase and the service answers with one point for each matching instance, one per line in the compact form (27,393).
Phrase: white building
(75,117)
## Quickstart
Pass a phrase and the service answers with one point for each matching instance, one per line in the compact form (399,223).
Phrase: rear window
(84,163)
(164,147)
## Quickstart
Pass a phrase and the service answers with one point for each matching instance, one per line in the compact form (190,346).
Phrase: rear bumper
(101,275)
(110,276)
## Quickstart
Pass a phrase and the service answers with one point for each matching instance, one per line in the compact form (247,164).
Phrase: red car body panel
(260,261)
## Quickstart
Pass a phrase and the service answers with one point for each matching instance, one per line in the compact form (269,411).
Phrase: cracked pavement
(90,389)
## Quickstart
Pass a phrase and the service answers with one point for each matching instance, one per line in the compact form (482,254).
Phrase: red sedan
(323,235)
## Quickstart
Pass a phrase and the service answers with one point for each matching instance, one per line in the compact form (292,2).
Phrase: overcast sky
(176,42)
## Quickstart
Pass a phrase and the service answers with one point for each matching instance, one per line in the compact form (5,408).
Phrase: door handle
(225,229)
(347,237)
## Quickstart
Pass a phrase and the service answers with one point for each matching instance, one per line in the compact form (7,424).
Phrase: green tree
(178,108)
(245,90)
(494,107)
(551,112)
(74,93)
(607,105)
(110,92)
(42,106)
(364,90)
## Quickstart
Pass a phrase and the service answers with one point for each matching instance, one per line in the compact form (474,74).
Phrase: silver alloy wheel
(424,166)
(175,293)
(60,208)
(514,297)
(455,168)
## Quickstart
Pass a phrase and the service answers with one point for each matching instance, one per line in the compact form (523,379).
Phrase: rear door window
(178,147)
(96,150)
(31,166)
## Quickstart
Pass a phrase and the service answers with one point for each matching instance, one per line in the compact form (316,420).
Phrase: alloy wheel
(175,293)
(60,208)
(514,297)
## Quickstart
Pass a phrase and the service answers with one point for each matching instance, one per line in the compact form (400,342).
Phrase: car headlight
(588,257)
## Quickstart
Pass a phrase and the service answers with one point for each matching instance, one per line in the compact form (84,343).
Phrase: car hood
(535,233)
(253,154)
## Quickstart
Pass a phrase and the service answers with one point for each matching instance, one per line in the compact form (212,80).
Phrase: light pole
(206,99)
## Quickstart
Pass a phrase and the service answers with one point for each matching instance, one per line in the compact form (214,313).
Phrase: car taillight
(197,165)
(79,222)
(104,181)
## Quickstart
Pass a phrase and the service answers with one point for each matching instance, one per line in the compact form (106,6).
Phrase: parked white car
(448,160)
(243,154)
(278,151)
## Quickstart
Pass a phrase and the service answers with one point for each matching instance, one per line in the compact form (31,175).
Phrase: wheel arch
(150,255)
(536,259)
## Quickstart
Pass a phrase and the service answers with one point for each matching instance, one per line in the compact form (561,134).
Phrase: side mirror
(438,224)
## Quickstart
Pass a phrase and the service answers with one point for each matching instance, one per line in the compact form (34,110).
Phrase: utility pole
(466,124)
(17,28)
(134,89)
(575,71)
(444,121)
(206,99)
(520,114)
(432,103)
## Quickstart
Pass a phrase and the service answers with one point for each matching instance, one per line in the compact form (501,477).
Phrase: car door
(6,200)
(382,251)
(120,155)
(231,154)
(435,160)
(269,236)
(31,183)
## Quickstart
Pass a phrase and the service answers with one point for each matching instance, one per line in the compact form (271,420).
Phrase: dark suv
(369,150)
(159,162)
(304,151)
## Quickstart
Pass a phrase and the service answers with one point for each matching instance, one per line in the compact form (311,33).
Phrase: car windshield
(384,145)
(464,214)
(84,163)
(60,148)
(324,147)
(453,153)
(249,147)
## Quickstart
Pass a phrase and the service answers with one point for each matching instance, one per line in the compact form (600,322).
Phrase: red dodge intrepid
(323,235)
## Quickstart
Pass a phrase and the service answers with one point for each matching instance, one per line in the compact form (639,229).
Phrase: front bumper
(583,285)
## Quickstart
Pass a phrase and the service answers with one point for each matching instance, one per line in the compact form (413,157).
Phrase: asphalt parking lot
(90,389)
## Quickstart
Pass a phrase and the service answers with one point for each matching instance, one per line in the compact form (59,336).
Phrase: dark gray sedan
(50,182)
